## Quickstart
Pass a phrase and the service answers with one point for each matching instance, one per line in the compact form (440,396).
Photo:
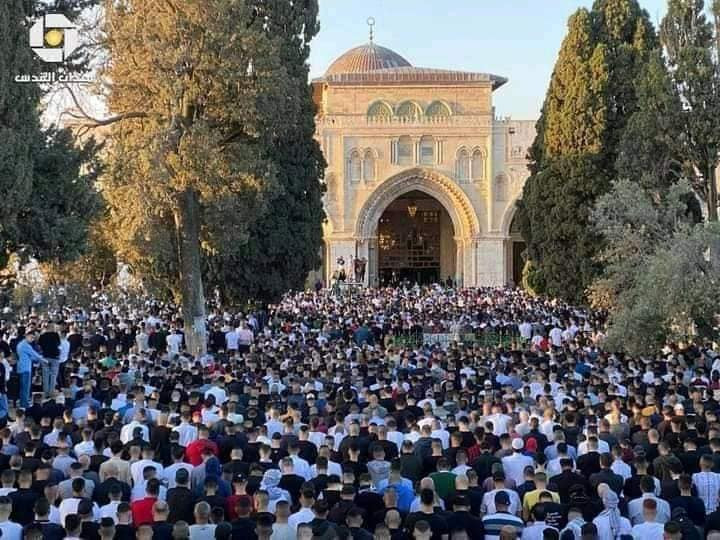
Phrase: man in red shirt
(142,509)
(194,450)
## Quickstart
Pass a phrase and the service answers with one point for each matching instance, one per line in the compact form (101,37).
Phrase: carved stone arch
(380,109)
(438,108)
(454,199)
(409,110)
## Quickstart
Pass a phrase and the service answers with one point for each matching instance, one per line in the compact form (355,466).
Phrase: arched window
(463,165)
(502,188)
(478,165)
(409,111)
(379,111)
(368,166)
(437,109)
(427,150)
(354,166)
(405,150)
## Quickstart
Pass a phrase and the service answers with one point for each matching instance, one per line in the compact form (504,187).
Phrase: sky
(517,39)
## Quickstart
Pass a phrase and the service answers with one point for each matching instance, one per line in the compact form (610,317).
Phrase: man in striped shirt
(494,523)
(707,484)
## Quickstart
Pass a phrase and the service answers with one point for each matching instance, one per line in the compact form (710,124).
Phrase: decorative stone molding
(454,199)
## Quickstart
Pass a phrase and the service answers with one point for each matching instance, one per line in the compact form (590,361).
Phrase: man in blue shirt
(27,356)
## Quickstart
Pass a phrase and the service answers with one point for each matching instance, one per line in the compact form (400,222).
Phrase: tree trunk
(712,199)
(187,226)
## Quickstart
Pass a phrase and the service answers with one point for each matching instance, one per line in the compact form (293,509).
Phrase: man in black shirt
(90,530)
(461,518)
(438,525)
(50,531)
(23,499)
(180,499)
(49,342)
(694,506)
(162,529)
(289,481)
(354,521)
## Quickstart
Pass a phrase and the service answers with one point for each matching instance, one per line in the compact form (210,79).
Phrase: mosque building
(421,177)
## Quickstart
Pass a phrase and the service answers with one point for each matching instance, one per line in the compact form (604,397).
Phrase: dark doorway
(518,262)
(415,241)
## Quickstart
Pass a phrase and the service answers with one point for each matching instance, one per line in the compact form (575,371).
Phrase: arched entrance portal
(416,243)
(435,187)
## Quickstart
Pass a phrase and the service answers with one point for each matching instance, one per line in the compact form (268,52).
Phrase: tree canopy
(591,95)
(46,178)
(204,97)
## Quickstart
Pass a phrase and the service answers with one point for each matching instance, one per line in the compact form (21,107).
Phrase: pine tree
(572,160)
(284,244)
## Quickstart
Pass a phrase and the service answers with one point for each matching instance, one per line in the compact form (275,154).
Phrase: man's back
(202,532)
(11,530)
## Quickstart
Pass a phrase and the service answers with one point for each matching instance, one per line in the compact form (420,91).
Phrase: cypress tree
(572,160)
(284,244)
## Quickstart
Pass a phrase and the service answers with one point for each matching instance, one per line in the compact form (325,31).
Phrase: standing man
(49,342)
(27,356)
(64,355)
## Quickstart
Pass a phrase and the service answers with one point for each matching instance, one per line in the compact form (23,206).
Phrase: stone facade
(390,129)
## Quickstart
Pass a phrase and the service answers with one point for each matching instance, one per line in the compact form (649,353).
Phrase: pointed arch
(353,167)
(368,165)
(454,199)
(462,164)
(478,161)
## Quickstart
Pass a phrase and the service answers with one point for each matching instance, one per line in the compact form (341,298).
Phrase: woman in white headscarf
(610,524)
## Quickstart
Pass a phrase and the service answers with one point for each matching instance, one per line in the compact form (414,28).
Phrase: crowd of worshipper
(334,416)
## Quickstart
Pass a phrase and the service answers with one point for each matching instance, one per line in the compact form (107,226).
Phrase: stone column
(371,271)
(492,268)
(459,263)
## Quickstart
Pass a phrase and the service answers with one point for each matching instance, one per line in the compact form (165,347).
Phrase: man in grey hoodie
(378,468)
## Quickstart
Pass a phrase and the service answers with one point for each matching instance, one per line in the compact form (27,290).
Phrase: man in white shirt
(188,432)
(218,390)
(488,501)
(170,472)
(555,336)
(148,460)
(110,509)
(245,338)
(300,466)
(636,506)
(202,529)
(10,530)
(174,342)
(650,529)
(127,433)
(536,530)
(231,341)
(305,514)
(499,420)
(514,464)
(525,329)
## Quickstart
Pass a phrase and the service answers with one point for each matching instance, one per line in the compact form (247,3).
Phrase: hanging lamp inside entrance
(412,209)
